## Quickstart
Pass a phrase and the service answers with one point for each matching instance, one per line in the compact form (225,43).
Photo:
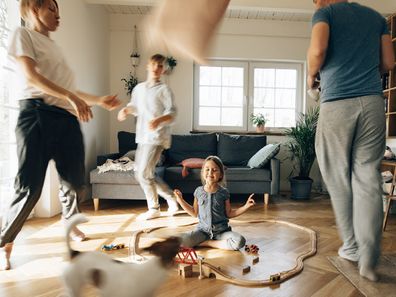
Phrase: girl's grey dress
(213,221)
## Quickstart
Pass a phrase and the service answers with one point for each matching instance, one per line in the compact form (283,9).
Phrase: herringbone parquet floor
(40,254)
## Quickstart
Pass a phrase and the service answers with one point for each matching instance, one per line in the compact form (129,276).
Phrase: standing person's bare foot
(368,273)
(5,258)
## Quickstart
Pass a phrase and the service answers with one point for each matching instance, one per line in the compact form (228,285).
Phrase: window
(9,18)
(227,92)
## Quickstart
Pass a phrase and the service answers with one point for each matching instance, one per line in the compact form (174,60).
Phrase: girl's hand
(84,112)
(109,102)
(178,194)
(250,201)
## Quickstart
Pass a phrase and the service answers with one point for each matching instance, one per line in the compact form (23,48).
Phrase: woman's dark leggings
(44,132)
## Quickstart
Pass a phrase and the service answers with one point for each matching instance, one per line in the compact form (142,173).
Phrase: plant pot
(135,61)
(300,188)
(260,129)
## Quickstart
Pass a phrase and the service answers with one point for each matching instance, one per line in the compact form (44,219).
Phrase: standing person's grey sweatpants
(44,132)
(350,143)
(147,157)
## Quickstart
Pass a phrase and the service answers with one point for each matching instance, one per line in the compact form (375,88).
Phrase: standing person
(47,126)
(351,47)
(213,208)
(152,104)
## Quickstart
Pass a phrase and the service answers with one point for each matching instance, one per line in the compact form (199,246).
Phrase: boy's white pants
(147,157)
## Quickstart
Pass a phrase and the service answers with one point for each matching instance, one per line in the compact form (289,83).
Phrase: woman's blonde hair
(26,5)
(219,163)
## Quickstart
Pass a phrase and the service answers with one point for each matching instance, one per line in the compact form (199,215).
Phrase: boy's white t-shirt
(149,102)
(50,64)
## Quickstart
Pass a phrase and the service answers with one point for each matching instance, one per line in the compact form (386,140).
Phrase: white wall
(84,38)
(237,39)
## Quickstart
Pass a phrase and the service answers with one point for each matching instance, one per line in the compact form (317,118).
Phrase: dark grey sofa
(234,150)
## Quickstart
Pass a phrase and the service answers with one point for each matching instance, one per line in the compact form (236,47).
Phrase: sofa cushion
(126,142)
(238,149)
(130,154)
(191,146)
(190,164)
(247,174)
(263,156)
(174,173)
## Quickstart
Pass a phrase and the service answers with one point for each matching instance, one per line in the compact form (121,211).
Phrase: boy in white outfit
(152,104)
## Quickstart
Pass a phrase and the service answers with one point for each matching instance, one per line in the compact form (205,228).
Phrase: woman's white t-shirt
(50,63)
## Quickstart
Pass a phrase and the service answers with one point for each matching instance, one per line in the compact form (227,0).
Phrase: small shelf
(390,89)
(390,92)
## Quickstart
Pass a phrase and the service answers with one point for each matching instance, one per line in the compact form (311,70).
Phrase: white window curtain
(9,19)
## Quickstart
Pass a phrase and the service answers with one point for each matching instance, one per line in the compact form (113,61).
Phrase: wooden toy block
(275,277)
(185,270)
(255,260)
(246,269)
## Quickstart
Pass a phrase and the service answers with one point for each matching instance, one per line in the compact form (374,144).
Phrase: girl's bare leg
(218,244)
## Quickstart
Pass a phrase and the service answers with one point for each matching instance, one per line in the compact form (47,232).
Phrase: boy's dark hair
(158,58)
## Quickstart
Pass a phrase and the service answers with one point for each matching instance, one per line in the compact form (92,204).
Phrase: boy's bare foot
(5,258)
(78,235)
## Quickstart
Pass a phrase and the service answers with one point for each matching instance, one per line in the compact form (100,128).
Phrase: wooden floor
(40,254)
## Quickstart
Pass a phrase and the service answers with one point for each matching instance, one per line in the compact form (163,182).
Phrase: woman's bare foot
(77,235)
(5,258)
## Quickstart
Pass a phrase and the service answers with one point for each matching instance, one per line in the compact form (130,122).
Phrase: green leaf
(301,143)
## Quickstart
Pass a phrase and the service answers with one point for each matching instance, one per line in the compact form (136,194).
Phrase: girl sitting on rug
(213,209)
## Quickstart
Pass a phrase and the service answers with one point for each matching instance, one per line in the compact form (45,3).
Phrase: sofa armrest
(275,176)
(101,159)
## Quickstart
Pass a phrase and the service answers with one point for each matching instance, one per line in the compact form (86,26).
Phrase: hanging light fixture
(135,56)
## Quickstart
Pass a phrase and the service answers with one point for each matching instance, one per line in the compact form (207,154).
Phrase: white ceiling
(288,7)
(234,13)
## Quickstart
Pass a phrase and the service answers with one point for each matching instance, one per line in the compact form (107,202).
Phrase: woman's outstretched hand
(109,102)
(84,112)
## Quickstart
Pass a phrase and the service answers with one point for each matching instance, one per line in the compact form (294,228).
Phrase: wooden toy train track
(207,269)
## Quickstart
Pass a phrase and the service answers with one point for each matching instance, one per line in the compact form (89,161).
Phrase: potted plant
(258,120)
(130,83)
(301,146)
(170,63)
(135,58)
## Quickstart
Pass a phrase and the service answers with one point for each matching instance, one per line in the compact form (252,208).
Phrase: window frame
(298,66)
(248,100)
(219,63)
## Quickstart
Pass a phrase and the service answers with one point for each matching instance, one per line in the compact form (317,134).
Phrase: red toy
(251,249)
(186,256)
